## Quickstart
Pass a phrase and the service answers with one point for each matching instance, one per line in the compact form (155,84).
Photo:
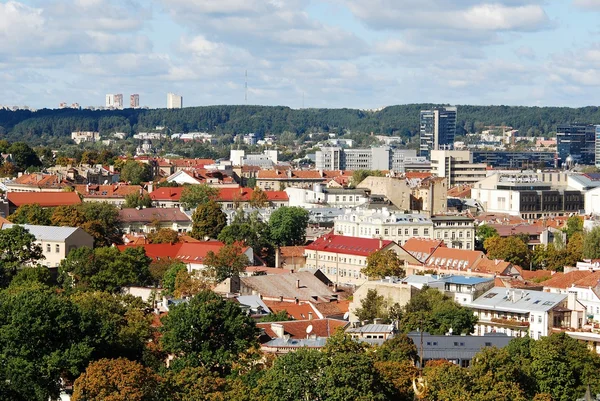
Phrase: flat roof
(516,300)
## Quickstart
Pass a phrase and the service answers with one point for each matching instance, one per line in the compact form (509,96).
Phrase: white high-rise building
(174,101)
(110,100)
(134,101)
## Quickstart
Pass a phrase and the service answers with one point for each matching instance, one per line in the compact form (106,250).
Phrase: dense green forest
(394,120)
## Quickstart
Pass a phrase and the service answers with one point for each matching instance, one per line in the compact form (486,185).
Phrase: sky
(301,53)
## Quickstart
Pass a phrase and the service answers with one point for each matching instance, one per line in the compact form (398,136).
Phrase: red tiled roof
(331,309)
(44,199)
(289,251)
(589,281)
(166,193)
(42,180)
(421,248)
(187,252)
(297,328)
(445,257)
(348,245)
(566,280)
(191,162)
(295,311)
(148,215)
(283,175)
(109,191)
(277,195)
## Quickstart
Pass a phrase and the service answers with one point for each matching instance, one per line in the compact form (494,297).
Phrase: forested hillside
(394,120)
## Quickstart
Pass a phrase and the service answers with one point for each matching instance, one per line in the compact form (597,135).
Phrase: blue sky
(333,53)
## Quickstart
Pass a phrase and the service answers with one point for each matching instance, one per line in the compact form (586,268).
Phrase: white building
(174,101)
(457,166)
(383,223)
(463,289)
(379,158)
(57,242)
(326,197)
(456,231)
(524,312)
(85,136)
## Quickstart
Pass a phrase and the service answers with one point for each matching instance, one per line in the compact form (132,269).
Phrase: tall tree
(288,225)
(259,198)
(134,200)
(208,220)
(136,172)
(17,248)
(23,156)
(253,232)
(484,232)
(164,236)
(32,214)
(117,380)
(228,262)
(207,331)
(591,244)
(511,249)
(574,225)
(194,195)
(383,263)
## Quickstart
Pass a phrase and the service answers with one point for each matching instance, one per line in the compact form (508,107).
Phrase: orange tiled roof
(42,180)
(417,175)
(452,258)
(44,199)
(191,162)
(296,311)
(460,192)
(109,191)
(566,280)
(187,252)
(289,251)
(331,309)
(166,193)
(347,245)
(283,175)
(421,248)
(297,328)
(590,280)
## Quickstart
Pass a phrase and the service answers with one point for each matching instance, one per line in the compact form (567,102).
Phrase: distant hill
(394,120)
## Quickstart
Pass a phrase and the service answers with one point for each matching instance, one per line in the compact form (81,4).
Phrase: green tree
(163,236)
(30,275)
(281,316)
(195,383)
(398,349)
(574,225)
(136,172)
(17,248)
(251,231)
(591,244)
(434,312)
(447,381)
(207,331)
(117,380)
(383,263)
(228,262)
(288,225)
(134,200)
(359,176)
(259,198)
(574,249)
(195,195)
(31,214)
(371,307)
(208,220)
(170,276)
(484,232)
(23,156)
(511,249)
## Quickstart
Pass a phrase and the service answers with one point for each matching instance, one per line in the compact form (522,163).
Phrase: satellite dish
(309,329)
(346,315)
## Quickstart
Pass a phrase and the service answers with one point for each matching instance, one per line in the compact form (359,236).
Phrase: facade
(524,312)
(85,136)
(152,219)
(377,158)
(430,195)
(583,283)
(457,166)
(463,289)
(341,258)
(114,100)
(393,291)
(44,199)
(514,160)
(174,101)
(455,231)
(437,129)
(395,189)
(330,197)
(57,242)
(577,141)
(134,101)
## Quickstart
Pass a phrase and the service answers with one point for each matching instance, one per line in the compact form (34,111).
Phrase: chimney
(277,329)
(297,283)
(281,298)
(380,243)
(310,316)
(277,257)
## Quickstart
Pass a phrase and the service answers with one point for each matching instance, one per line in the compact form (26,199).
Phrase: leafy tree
(383,263)
(447,381)
(207,331)
(371,307)
(574,225)
(398,349)
(195,383)
(591,244)
(251,231)
(281,316)
(164,236)
(68,216)
(134,200)
(511,249)
(436,313)
(136,172)
(484,232)
(228,262)
(288,225)
(17,248)
(116,380)
(574,251)
(104,269)
(359,176)
(396,378)
(30,275)
(198,194)
(171,275)
(23,156)
(188,284)
(259,198)
(99,219)
(31,214)
(208,220)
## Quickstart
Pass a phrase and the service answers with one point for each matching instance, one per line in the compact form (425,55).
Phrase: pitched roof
(286,286)
(421,248)
(191,163)
(591,280)
(566,280)
(109,191)
(148,215)
(292,251)
(294,310)
(44,199)
(459,192)
(40,180)
(297,328)
(460,259)
(348,245)
(166,193)
(289,175)
(49,233)
(187,252)
(334,309)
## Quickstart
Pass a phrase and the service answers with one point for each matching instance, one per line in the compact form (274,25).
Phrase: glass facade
(577,141)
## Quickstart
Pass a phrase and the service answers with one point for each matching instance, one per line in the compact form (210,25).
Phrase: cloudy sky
(320,53)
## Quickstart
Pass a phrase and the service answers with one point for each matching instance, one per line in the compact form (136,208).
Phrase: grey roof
(457,347)
(48,233)
(285,285)
(372,328)
(253,301)
(520,301)
(318,342)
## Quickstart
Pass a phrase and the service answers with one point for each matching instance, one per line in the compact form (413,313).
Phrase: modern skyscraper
(577,141)
(134,101)
(437,129)
(174,101)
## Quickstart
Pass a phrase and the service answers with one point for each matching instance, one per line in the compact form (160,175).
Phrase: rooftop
(302,285)
(520,301)
(48,233)
(348,245)
(44,199)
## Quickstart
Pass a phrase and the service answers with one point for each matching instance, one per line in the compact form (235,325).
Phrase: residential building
(519,313)
(527,194)
(110,100)
(585,284)
(460,350)
(113,194)
(372,333)
(430,195)
(437,129)
(283,337)
(376,158)
(118,101)
(457,166)
(174,101)
(537,234)
(396,190)
(597,148)
(330,197)
(383,224)
(44,199)
(37,182)
(463,289)
(149,220)
(290,257)
(56,242)
(85,136)
(577,141)
(280,180)
(341,258)
(456,231)
(229,198)
(516,160)
(134,101)
(268,159)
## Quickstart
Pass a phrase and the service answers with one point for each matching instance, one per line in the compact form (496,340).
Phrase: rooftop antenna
(246,88)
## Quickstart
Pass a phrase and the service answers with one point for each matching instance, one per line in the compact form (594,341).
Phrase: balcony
(510,322)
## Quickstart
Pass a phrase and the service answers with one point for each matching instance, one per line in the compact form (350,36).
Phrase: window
(540,319)
(415,231)
(57,248)
(426,231)
(48,248)
(406,231)
(488,344)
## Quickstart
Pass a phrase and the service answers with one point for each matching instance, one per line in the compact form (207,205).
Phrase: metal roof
(457,347)
(372,328)
(520,301)
(47,233)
